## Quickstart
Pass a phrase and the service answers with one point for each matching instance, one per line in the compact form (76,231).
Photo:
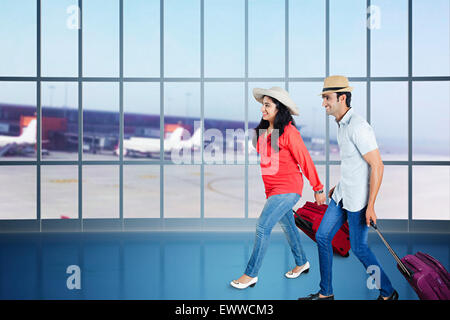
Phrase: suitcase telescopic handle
(400,263)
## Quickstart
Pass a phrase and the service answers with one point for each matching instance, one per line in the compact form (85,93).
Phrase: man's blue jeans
(278,208)
(333,219)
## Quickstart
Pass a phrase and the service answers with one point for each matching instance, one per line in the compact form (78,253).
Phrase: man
(353,198)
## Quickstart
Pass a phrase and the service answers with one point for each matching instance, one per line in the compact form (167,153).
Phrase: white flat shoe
(239,285)
(293,275)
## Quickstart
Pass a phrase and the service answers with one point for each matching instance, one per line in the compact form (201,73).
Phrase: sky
(225,57)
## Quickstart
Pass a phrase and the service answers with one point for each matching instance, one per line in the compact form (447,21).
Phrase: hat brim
(347,89)
(259,93)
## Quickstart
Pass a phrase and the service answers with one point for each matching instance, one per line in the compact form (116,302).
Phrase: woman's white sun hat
(278,93)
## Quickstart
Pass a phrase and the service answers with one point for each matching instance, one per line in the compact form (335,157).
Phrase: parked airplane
(26,139)
(138,146)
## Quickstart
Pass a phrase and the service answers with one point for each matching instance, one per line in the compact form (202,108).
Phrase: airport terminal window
(18,19)
(141,105)
(224,191)
(100,38)
(224,47)
(389,29)
(311,119)
(141,36)
(59,192)
(181,109)
(266,38)
(392,198)
(431,132)
(59,131)
(307,38)
(431,38)
(202,77)
(348,37)
(431,203)
(181,38)
(389,107)
(100,191)
(141,191)
(100,120)
(18,123)
(59,38)
(18,199)
(182,191)
(224,111)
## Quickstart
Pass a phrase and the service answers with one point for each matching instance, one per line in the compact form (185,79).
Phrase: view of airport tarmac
(224,189)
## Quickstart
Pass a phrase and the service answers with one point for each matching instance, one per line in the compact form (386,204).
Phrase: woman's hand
(320,198)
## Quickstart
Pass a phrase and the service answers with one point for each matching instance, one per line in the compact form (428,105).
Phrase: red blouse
(280,170)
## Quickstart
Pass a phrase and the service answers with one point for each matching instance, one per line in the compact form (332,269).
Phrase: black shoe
(315,296)
(393,296)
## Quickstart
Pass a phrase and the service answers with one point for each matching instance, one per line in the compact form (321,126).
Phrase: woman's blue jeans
(332,221)
(278,208)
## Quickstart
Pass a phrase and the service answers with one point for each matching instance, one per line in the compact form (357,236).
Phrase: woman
(281,148)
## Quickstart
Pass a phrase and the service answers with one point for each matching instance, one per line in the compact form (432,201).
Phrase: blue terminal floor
(187,266)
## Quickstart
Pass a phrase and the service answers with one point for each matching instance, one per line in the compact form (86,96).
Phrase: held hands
(320,198)
(370,215)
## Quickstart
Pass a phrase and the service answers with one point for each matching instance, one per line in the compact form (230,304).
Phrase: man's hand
(320,198)
(330,193)
(370,215)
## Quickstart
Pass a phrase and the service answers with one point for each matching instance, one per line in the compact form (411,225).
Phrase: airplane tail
(176,136)
(196,140)
(29,133)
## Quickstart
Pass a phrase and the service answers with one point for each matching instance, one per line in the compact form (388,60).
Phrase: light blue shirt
(355,138)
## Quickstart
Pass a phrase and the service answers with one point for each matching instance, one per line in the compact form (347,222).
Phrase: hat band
(332,88)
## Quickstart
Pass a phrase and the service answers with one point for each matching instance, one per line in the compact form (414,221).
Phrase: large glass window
(101,38)
(431,37)
(182,38)
(431,187)
(348,37)
(224,47)
(388,23)
(141,37)
(311,118)
(141,191)
(213,54)
(18,199)
(389,118)
(100,120)
(60,25)
(100,191)
(307,38)
(18,34)
(59,192)
(59,120)
(18,121)
(431,118)
(266,38)
(141,121)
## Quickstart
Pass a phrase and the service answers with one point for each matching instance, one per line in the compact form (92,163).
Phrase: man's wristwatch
(318,192)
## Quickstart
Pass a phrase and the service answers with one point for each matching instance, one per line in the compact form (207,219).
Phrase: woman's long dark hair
(282,119)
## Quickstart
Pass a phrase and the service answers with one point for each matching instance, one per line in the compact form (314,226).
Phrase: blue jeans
(333,219)
(278,208)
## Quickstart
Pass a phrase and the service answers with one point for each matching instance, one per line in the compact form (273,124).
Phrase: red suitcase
(308,218)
